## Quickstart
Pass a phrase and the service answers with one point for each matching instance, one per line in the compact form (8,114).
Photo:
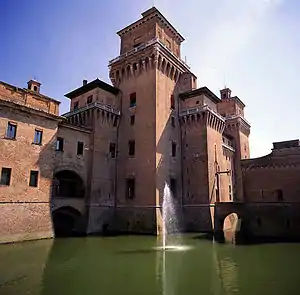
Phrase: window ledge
(40,144)
(59,151)
(9,138)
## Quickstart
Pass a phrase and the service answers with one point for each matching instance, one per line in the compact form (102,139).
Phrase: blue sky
(251,46)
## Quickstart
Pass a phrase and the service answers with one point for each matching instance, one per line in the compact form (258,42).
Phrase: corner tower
(237,129)
(147,73)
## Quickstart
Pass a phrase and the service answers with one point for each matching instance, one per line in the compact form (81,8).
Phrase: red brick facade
(104,164)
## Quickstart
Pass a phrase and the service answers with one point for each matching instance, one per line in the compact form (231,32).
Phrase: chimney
(84,82)
(34,85)
(225,93)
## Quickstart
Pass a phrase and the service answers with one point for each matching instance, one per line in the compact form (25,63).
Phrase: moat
(131,265)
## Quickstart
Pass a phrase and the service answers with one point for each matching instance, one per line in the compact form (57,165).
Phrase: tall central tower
(147,72)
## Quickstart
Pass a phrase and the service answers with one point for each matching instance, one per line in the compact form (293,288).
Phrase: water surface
(131,265)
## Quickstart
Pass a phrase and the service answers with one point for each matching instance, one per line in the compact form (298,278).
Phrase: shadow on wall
(170,170)
(66,193)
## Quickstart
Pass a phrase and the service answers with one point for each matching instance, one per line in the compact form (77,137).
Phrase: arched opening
(66,221)
(231,227)
(68,184)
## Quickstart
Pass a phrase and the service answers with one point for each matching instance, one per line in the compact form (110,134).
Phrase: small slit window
(11,131)
(79,148)
(59,144)
(132,100)
(38,136)
(90,99)
(5,176)
(33,180)
(130,188)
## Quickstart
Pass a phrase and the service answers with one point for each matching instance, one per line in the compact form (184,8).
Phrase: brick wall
(26,209)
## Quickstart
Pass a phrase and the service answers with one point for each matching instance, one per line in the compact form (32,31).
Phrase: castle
(103,165)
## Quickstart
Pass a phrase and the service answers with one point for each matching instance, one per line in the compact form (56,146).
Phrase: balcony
(145,45)
(236,117)
(95,104)
(196,110)
(226,143)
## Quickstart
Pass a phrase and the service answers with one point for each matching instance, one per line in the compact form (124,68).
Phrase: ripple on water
(174,248)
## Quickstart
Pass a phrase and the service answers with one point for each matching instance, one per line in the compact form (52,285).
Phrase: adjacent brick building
(104,165)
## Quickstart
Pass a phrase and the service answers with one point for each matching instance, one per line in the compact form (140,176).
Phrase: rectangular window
(76,104)
(173,149)
(173,121)
(109,101)
(230,193)
(131,147)
(115,124)
(38,136)
(172,102)
(262,193)
(132,119)
(11,131)
(90,99)
(33,181)
(173,187)
(59,144)
(130,188)
(279,194)
(132,100)
(79,148)
(112,150)
(5,176)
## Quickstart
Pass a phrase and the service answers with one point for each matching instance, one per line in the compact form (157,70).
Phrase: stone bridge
(243,222)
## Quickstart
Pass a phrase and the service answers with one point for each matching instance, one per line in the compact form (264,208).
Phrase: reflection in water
(22,266)
(226,272)
(133,265)
(168,265)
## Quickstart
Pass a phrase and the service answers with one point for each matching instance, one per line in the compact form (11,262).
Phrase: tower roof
(89,86)
(146,16)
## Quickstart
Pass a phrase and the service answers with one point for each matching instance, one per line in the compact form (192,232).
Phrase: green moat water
(131,265)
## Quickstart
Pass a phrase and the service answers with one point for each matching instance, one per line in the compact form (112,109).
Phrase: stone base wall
(25,221)
(101,219)
(136,220)
(274,221)
(261,221)
(197,219)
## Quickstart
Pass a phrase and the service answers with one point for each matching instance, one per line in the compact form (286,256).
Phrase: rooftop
(25,90)
(203,90)
(286,144)
(147,15)
(92,85)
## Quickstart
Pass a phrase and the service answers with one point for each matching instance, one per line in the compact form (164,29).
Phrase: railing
(96,104)
(224,144)
(196,110)
(237,116)
(143,46)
